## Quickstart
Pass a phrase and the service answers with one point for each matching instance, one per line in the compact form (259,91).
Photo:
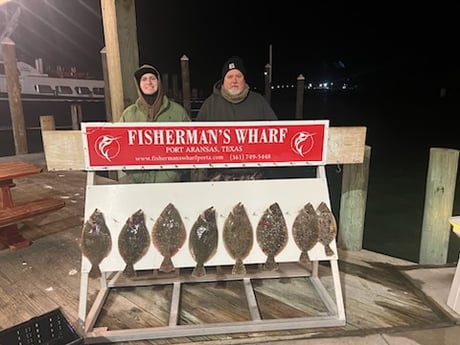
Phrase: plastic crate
(51,328)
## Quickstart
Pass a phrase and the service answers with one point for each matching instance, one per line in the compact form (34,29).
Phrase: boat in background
(59,84)
(52,84)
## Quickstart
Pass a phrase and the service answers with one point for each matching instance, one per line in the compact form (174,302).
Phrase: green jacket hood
(151,109)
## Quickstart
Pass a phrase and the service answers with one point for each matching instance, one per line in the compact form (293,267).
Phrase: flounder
(327,227)
(95,241)
(203,239)
(168,235)
(272,234)
(305,231)
(238,237)
(133,241)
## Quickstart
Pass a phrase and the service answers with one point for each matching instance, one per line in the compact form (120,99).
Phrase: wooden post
(165,84)
(120,33)
(175,88)
(76,114)
(47,123)
(299,97)
(185,68)
(14,97)
(105,72)
(439,200)
(268,93)
(353,203)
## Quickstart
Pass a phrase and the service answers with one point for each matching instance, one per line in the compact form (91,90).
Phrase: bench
(9,216)
(11,213)
(19,212)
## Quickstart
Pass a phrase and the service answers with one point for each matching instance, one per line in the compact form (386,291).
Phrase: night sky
(368,43)
(319,39)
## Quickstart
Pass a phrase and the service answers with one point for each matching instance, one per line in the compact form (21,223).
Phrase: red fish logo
(302,143)
(107,147)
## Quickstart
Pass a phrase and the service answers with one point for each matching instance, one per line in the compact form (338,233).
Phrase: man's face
(234,82)
(149,84)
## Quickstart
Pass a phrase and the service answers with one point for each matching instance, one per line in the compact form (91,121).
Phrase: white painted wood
(119,202)
(64,148)
(175,302)
(453,299)
(334,317)
(251,299)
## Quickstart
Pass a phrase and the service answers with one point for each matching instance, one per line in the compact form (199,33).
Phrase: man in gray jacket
(232,100)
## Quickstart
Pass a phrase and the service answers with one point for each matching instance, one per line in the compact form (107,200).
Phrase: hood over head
(152,102)
(144,69)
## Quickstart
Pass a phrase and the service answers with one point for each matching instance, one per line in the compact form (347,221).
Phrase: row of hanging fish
(168,235)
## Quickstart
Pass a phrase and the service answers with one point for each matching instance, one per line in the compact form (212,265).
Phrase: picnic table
(10,212)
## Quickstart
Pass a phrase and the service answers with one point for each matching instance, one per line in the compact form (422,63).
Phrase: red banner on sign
(203,144)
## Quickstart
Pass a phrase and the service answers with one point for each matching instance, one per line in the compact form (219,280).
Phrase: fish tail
(239,268)
(199,271)
(304,258)
(129,270)
(95,271)
(167,265)
(329,251)
(270,264)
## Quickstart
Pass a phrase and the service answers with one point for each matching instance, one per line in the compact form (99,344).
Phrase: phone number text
(250,156)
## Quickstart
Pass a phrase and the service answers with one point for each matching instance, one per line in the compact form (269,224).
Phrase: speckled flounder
(133,241)
(272,234)
(168,235)
(327,227)
(305,231)
(203,240)
(95,241)
(238,237)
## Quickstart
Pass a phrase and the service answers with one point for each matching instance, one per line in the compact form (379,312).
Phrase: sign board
(191,199)
(143,145)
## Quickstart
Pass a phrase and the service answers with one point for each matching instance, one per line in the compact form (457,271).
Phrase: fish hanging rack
(190,199)
(345,145)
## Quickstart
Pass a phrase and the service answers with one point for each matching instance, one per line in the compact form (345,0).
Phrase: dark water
(402,126)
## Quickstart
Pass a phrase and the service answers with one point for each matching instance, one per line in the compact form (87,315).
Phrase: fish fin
(129,270)
(329,251)
(95,271)
(304,258)
(199,271)
(167,265)
(270,264)
(239,268)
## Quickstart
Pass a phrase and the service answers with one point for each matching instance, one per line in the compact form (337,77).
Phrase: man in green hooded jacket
(153,105)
